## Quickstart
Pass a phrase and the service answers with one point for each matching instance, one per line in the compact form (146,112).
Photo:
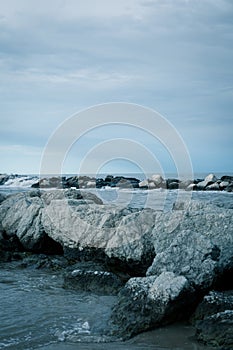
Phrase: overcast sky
(58,57)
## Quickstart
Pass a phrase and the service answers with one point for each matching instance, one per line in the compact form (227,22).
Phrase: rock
(213,187)
(217,330)
(3,178)
(185,184)
(191,187)
(183,257)
(50,182)
(227,178)
(2,197)
(229,188)
(157,180)
(213,319)
(172,184)
(211,178)
(90,184)
(223,184)
(213,303)
(147,302)
(93,278)
(144,184)
(201,186)
(151,185)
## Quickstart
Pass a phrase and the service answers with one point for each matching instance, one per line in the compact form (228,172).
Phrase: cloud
(61,56)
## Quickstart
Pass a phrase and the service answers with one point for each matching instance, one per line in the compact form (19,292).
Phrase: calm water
(36,312)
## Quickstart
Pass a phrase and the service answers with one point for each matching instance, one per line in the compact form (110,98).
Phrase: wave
(21,181)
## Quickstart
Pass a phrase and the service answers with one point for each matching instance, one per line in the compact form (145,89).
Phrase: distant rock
(144,184)
(157,180)
(211,178)
(213,187)
(227,178)
(223,185)
(229,188)
(3,178)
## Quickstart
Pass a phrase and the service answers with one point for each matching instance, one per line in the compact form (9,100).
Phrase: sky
(59,57)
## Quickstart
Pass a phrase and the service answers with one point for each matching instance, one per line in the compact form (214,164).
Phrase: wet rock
(148,302)
(92,278)
(217,330)
(213,303)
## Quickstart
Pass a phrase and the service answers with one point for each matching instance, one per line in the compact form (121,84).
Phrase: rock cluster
(210,183)
(162,263)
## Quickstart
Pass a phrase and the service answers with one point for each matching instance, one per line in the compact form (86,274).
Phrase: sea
(37,312)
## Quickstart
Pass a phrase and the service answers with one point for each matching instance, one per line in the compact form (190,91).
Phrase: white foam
(21,181)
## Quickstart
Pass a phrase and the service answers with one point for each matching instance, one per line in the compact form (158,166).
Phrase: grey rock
(148,302)
(211,178)
(213,187)
(190,254)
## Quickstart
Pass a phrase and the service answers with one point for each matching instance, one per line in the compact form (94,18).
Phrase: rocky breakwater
(162,264)
(209,183)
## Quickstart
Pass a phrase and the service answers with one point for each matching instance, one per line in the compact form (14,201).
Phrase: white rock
(144,183)
(211,178)
(157,179)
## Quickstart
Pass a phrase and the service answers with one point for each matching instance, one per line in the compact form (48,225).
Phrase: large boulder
(148,302)
(189,254)
(75,223)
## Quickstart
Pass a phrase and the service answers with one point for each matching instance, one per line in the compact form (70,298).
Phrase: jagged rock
(213,187)
(211,178)
(217,330)
(157,180)
(148,302)
(183,257)
(144,184)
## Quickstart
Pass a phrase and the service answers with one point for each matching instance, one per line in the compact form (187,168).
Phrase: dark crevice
(48,246)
